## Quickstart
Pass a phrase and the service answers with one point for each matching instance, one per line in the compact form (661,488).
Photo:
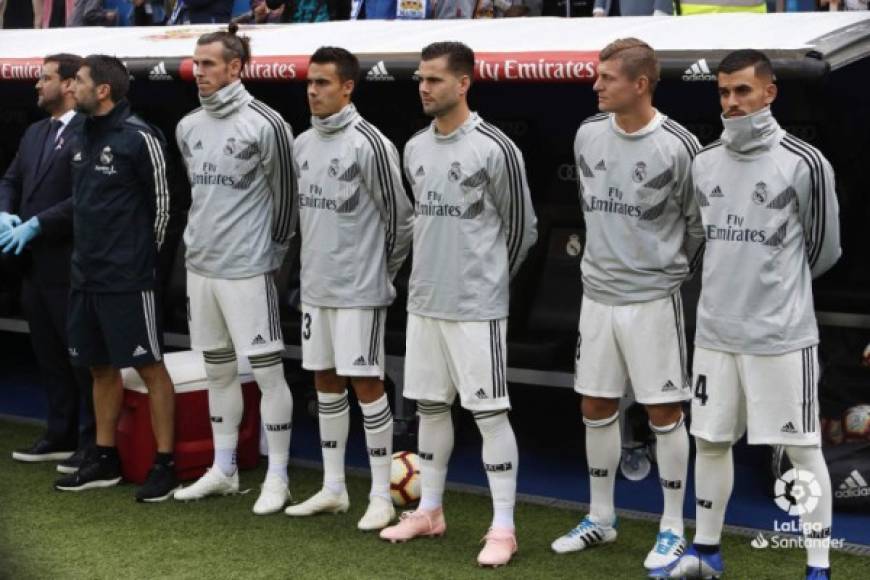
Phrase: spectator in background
(92,13)
(150,12)
(633,8)
(311,10)
(55,13)
(200,11)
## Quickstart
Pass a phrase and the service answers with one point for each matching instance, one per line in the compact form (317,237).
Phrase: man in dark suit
(36,225)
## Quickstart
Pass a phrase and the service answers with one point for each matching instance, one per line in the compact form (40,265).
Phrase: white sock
(276,409)
(714,480)
(816,524)
(603,452)
(333,412)
(672,451)
(378,424)
(500,460)
(225,406)
(435,444)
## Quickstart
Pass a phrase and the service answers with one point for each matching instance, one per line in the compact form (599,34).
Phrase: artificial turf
(105,534)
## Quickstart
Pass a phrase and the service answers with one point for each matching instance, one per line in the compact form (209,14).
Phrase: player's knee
(605,421)
(805,456)
(712,448)
(432,410)
(328,381)
(104,374)
(666,423)
(597,408)
(367,389)
(491,423)
(268,370)
(663,416)
(221,366)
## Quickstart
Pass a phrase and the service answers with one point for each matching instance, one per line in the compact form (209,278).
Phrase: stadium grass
(105,534)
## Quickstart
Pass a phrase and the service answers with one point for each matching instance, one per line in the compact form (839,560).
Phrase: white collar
(64,120)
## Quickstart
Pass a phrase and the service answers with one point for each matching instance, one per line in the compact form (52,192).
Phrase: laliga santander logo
(797,492)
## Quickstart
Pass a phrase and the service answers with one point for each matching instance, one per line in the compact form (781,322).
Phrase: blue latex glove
(8,221)
(16,238)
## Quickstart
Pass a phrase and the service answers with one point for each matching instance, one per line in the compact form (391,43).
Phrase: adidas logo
(158,73)
(305,166)
(198,146)
(788,428)
(360,362)
(699,72)
(216,419)
(601,166)
(379,72)
(77,156)
(420,172)
(73,352)
(258,340)
(139,351)
(669,386)
(717,192)
(480,394)
(853,486)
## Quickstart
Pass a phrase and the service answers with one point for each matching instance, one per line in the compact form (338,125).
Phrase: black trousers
(69,390)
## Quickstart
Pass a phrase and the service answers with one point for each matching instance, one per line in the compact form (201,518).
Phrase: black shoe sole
(159,499)
(25,457)
(96,484)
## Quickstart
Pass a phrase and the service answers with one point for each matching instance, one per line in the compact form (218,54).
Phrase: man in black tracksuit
(120,213)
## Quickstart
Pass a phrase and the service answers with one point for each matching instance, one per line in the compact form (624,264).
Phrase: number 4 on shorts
(701,389)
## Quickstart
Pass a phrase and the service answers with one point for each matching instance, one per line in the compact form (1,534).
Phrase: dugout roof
(560,50)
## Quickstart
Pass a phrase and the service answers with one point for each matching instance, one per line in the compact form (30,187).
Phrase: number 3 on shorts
(306,326)
(701,389)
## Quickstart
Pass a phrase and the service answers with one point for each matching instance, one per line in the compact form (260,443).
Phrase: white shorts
(642,345)
(775,397)
(240,314)
(349,340)
(443,357)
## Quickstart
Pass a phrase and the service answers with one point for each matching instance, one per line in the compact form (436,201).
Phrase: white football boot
(273,496)
(668,547)
(379,514)
(214,482)
(324,501)
(586,534)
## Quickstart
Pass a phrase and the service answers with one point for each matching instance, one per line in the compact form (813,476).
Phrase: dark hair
(67,64)
(108,70)
(636,58)
(346,64)
(234,45)
(460,58)
(740,59)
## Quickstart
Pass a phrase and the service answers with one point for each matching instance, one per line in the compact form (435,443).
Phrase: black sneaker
(75,461)
(43,450)
(95,472)
(160,485)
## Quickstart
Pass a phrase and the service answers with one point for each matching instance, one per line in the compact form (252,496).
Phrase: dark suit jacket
(45,192)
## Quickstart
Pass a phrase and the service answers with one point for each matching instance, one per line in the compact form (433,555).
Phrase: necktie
(50,142)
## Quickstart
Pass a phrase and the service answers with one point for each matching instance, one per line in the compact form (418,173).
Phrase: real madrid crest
(638,174)
(759,196)
(333,168)
(106,156)
(455,171)
(230,146)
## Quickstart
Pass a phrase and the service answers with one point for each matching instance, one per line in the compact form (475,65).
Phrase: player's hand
(15,239)
(8,221)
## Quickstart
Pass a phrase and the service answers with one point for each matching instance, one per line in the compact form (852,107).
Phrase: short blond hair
(636,57)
